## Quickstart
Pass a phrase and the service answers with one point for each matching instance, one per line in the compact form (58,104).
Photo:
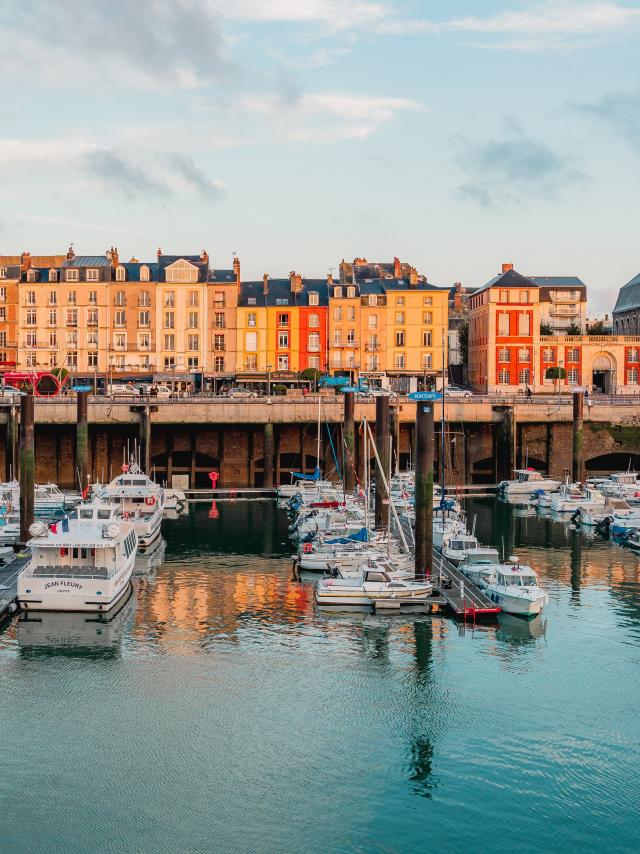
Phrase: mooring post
(27,466)
(394,430)
(348,431)
(424,489)
(145,438)
(382,446)
(504,451)
(82,439)
(267,480)
(578,425)
(11,454)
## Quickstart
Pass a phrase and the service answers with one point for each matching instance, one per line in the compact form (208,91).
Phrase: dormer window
(72,275)
(3,272)
(351,292)
(53,275)
(337,293)
(144,273)
(314,298)
(120,274)
(92,275)
(373,300)
(31,276)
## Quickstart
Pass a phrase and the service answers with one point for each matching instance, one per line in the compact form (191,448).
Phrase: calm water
(218,712)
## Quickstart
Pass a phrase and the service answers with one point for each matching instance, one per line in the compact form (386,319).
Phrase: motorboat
(480,565)
(591,516)
(516,590)
(571,497)
(373,585)
(527,481)
(622,484)
(174,499)
(83,562)
(141,501)
(455,547)
(445,526)
(48,498)
(542,499)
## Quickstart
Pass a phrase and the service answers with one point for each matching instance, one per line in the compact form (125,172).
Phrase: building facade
(626,313)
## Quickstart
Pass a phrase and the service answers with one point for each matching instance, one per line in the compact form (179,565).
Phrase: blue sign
(333,381)
(425,395)
(348,388)
(81,388)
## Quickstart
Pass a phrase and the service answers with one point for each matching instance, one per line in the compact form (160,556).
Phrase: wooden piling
(82,439)
(12,458)
(578,425)
(348,432)
(27,466)
(145,438)
(267,456)
(394,431)
(382,445)
(424,489)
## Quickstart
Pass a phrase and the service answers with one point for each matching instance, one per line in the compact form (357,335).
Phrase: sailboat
(310,486)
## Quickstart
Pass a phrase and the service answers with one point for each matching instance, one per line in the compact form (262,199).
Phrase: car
(378,392)
(240,392)
(457,391)
(12,391)
(128,389)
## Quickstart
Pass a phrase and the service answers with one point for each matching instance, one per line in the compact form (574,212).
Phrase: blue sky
(456,135)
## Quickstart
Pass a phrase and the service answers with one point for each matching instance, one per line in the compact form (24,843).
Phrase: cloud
(156,41)
(116,173)
(620,111)
(28,152)
(513,170)
(333,14)
(195,178)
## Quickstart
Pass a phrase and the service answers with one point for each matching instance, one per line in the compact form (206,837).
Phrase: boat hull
(516,605)
(42,593)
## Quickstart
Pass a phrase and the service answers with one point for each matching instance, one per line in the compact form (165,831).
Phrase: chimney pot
(506,267)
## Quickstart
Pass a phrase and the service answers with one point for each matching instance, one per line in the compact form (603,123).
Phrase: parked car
(240,392)
(12,391)
(124,389)
(457,391)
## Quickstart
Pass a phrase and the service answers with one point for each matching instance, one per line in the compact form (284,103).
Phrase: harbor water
(218,711)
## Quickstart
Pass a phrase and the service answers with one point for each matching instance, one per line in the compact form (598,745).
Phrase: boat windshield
(485,558)
(519,580)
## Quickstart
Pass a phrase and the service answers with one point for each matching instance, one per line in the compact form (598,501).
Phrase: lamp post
(560,364)
(268,382)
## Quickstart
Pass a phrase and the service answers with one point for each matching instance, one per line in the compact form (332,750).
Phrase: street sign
(81,388)
(347,388)
(425,395)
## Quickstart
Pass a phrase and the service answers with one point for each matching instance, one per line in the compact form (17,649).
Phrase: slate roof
(280,293)
(87,261)
(629,296)
(222,276)
(510,279)
(133,270)
(557,281)
(13,270)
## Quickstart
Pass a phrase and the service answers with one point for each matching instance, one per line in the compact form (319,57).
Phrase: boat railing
(59,572)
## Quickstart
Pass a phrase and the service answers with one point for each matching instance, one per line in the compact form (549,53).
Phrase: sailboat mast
(318,448)
(444,479)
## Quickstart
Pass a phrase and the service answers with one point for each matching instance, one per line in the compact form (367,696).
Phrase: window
(504,377)
(632,376)
(193,342)
(573,376)
(427,338)
(169,362)
(72,275)
(169,319)
(337,293)
(53,317)
(31,360)
(218,342)
(193,320)
(93,275)
(252,363)
(314,321)
(314,362)
(427,301)
(193,362)
(399,361)
(251,318)
(351,336)
(373,321)
(92,359)
(143,318)
(427,317)
(399,316)
(53,339)
(218,364)
(399,300)
(573,354)
(400,338)
(144,299)
(283,320)
(120,298)
(120,318)
(92,317)
(3,294)
(71,297)
(31,339)
(503,323)
(335,359)
(314,298)
(351,292)
(283,363)
(632,355)
(144,273)
(504,296)
(218,299)
(283,340)
(31,297)
(120,341)
(53,275)
(31,317)
(218,320)
(372,363)
(93,297)
(373,342)
(351,312)
(251,342)
(524,296)
(548,355)
(251,300)
(337,337)
(144,341)
(3,272)
(120,274)
(169,299)
(72,361)
(524,324)
(427,361)
(53,359)
(31,276)
(337,313)
(503,355)
(524,376)
(170,342)
(182,273)
(92,338)
(524,355)
(373,300)
(193,300)
(3,340)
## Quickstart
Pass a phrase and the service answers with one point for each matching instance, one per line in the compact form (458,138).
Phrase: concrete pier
(82,439)
(348,432)
(382,445)
(424,489)
(27,466)
(578,440)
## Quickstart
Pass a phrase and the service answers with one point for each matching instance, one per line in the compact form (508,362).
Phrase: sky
(456,135)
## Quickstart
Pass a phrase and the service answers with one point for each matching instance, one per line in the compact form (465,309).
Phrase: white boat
(567,499)
(445,527)
(80,563)
(527,481)
(480,565)
(621,484)
(373,585)
(516,590)
(174,499)
(48,498)
(455,547)
(591,516)
(140,500)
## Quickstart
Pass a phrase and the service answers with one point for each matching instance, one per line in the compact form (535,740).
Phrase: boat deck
(9,583)
(460,594)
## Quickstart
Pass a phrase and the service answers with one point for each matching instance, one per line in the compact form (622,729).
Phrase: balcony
(564,311)
(119,303)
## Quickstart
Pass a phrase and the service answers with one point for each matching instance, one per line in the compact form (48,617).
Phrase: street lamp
(268,382)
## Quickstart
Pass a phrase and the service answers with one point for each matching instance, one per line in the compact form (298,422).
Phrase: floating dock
(231,494)
(9,584)
(460,595)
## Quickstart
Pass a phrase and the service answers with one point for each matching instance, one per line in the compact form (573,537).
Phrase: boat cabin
(527,476)
(482,557)
(516,576)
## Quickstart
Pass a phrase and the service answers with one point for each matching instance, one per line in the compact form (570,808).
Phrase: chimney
(330,280)
(159,254)
(413,277)
(457,296)
(204,257)
(113,253)
(507,267)
(70,253)
(236,270)
(25,260)
(397,268)
(265,284)
(295,281)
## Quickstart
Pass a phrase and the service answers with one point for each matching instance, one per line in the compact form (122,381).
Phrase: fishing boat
(526,482)
(140,500)
(80,563)
(516,590)
(373,584)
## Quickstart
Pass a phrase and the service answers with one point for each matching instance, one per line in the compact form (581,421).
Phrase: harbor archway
(195,464)
(603,371)
(617,461)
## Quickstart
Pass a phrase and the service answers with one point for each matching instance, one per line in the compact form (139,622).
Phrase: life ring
(150,500)
(64,552)
(307,547)
(125,468)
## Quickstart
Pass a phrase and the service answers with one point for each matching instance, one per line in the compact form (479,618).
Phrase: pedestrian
(529,394)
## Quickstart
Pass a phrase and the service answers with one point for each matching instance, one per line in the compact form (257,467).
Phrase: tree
(311,375)
(279,389)
(555,374)
(598,328)
(463,338)
(573,329)
(545,328)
